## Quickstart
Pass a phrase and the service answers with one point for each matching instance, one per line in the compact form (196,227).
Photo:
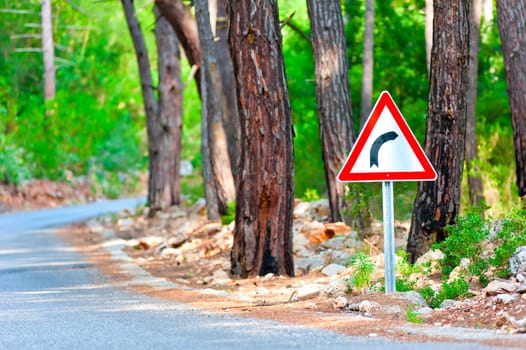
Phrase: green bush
(465,240)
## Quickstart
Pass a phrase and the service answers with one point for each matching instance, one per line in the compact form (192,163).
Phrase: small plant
(363,270)
(311,195)
(231,213)
(413,316)
(453,290)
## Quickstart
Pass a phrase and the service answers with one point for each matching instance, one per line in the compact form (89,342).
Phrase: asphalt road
(50,298)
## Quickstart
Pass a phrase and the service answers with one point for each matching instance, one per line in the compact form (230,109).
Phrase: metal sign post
(389,240)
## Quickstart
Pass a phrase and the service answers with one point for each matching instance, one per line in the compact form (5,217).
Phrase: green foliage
(413,316)
(509,238)
(363,270)
(311,195)
(465,240)
(12,168)
(231,215)
(455,289)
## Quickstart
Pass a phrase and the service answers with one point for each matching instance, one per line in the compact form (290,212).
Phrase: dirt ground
(206,284)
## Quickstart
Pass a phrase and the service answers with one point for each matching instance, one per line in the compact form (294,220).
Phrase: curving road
(50,298)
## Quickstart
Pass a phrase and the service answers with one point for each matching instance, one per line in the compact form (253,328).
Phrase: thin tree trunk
(150,104)
(48,50)
(212,111)
(474,181)
(437,202)
(511,16)
(184,25)
(429,32)
(367,63)
(265,182)
(229,99)
(332,95)
(165,146)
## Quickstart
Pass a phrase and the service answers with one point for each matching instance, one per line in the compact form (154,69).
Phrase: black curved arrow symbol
(380,140)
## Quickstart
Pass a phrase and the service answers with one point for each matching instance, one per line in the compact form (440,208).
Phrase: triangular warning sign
(386,149)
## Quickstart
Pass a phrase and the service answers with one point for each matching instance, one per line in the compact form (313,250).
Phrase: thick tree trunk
(332,95)
(165,144)
(212,111)
(367,63)
(265,183)
(511,16)
(474,181)
(437,202)
(48,50)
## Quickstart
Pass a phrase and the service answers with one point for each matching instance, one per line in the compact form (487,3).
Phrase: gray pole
(389,244)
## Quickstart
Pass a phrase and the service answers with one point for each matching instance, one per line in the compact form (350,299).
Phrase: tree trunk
(437,202)
(151,108)
(183,23)
(229,99)
(429,32)
(165,144)
(511,16)
(265,183)
(332,95)
(212,111)
(474,181)
(48,50)
(367,63)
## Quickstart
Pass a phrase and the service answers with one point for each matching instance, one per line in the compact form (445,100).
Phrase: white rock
(431,255)
(333,269)
(499,287)
(169,252)
(301,209)
(414,297)
(340,302)
(220,274)
(299,242)
(125,223)
(518,260)
(505,298)
(308,291)
(522,288)
(309,263)
(334,288)
(449,303)
(520,277)
(426,310)
(368,306)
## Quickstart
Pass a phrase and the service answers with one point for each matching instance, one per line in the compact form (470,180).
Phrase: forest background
(97,127)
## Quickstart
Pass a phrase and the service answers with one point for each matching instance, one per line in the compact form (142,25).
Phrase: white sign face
(391,151)
(386,149)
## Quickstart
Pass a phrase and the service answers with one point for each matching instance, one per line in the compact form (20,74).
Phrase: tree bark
(437,203)
(367,63)
(474,181)
(265,183)
(332,95)
(229,99)
(165,144)
(429,32)
(212,111)
(48,50)
(184,25)
(511,16)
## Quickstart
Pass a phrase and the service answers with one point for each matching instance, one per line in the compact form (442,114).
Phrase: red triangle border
(345,174)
